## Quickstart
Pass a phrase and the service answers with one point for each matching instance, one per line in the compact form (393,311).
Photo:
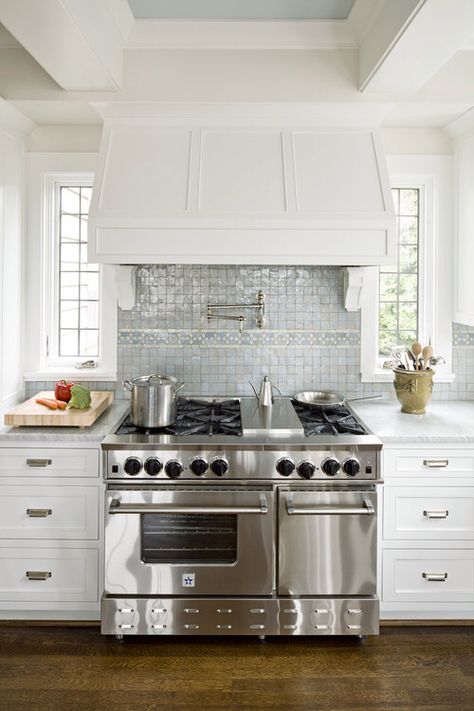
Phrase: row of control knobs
(329,466)
(174,468)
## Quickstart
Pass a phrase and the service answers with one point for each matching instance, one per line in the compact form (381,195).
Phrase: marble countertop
(106,423)
(451,421)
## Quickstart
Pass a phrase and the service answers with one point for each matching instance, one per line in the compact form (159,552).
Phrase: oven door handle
(118,507)
(366,510)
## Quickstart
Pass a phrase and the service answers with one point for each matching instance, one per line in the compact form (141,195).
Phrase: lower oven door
(189,542)
(327,542)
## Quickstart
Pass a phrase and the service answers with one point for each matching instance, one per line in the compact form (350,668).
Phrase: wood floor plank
(407,669)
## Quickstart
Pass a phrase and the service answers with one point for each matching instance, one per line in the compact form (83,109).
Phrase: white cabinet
(199,189)
(50,532)
(426,551)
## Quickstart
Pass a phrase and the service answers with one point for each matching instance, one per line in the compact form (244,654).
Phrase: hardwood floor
(68,668)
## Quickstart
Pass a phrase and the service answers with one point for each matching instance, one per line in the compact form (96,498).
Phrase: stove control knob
(198,466)
(330,466)
(132,466)
(285,467)
(173,469)
(351,466)
(306,469)
(153,466)
(219,466)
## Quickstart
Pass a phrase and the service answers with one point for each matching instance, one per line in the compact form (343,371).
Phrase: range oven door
(189,542)
(327,542)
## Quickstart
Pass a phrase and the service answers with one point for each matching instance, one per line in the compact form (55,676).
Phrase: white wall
(12,191)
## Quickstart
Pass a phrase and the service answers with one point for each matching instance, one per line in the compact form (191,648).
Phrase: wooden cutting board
(30,413)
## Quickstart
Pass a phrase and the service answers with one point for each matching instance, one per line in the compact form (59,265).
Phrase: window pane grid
(78,314)
(399,283)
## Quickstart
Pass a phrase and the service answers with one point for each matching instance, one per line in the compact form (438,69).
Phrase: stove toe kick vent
(250,616)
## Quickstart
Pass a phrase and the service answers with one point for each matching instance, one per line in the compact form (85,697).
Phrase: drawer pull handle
(290,611)
(38,574)
(436,514)
(321,611)
(354,611)
(257,627)
(289,627)
(224,610)
(436,463)
(158,627)
(224,627)
(191,610)
(353,627)
(321,627)
(39,513)
(39,462)
(435,577)
(126,627)
(126,610)
(191,627)
(158,609)
(257,610)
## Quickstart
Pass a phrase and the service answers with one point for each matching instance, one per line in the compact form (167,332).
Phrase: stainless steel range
(242,520)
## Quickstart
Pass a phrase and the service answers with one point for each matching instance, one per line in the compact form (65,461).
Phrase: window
(77,303)
(411,299)
(398,283)
(70,305)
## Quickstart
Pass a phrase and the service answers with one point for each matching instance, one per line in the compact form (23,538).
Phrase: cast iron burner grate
(332,420)
(196,417)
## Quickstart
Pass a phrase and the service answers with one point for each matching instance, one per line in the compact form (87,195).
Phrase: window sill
(386,376)
(76,374)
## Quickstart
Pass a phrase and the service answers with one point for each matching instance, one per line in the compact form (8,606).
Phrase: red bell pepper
(62,390)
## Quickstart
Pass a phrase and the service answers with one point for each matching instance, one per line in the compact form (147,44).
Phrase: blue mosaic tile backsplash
(310,341)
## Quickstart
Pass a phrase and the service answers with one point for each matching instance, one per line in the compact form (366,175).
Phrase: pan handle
(369,397)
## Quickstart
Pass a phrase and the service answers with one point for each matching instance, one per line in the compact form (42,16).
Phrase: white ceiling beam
(409,41)
(241,34)
(78,42)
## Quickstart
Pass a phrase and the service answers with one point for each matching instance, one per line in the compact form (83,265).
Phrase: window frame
(43,360)
(435,323)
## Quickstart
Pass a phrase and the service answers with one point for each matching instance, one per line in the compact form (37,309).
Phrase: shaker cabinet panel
(54,512)
(241,171)
(39,463)
(428,513)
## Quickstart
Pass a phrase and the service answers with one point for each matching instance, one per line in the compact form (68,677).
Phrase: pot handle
(127,385)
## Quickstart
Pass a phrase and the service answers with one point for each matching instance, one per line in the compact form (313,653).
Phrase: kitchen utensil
(411,359)
(153,401)
(327,398)
(30,414)
(265,394)
(426,353)
(416,350)
(434,360)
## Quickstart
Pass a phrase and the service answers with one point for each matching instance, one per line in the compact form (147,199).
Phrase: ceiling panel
(241,9)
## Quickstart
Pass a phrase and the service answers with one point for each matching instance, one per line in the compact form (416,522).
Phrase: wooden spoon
(416,349)
(427,353)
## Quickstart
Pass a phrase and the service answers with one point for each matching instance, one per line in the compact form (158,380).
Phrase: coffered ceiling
(241,9)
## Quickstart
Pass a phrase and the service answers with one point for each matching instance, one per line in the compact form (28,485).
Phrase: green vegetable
(80,397)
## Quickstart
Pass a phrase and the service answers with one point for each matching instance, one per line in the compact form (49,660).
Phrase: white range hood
(260,186)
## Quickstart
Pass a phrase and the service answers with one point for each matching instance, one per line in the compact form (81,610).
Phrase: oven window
(189,538)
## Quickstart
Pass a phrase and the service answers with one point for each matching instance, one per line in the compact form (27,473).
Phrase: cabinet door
(48,462)
(61,512)
(49,574)
(428,513)
(428,575)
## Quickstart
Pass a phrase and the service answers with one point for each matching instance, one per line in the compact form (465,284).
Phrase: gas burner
(334,420)
(196,417)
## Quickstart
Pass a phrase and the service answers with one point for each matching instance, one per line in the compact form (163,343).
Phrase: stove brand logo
(189,580)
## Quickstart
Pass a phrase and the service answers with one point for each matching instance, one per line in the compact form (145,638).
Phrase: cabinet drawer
(49,462)
(428,462)
(428,513)
(63,512)
(49,574)
(428,575)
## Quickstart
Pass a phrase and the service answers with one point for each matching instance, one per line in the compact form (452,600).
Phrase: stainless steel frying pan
(327,398)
